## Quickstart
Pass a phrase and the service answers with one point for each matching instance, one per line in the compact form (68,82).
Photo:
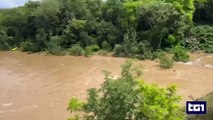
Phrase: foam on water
(7,104)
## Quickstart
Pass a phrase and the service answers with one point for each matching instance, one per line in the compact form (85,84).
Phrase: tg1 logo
(196,107)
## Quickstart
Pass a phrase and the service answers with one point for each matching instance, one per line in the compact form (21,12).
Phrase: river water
(38,87)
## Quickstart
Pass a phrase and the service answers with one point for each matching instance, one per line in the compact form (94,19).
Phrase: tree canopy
(149,25)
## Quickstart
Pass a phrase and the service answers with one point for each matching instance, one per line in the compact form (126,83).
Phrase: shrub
(76,50)
(89,50)
(146,55)
(128,98)
(6,42)
(94,47)
(156,20)
(209,50)
(103,52)
(130,43)
(165,62)
(4,46)
(53,46)
(171,40)
(28,46)
(75,105)
(57,50)
(180,54)
(118,50)
(144,51)
(106,46)
(200,38)
(40,41)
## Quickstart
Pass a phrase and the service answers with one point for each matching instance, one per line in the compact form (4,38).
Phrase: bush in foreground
(128,98)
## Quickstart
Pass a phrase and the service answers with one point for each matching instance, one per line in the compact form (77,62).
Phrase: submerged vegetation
(128,28)
(165,61)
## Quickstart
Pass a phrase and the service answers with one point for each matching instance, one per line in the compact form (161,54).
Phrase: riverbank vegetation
(128,28)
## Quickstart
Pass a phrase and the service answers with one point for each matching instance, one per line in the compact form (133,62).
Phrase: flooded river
(38,87)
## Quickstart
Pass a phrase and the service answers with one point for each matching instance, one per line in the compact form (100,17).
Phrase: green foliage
(130,13)
(76,50)
(103,53)
(76,117)
(203,12)
(131,28)
(157,21)
(112,11)
(130,43)
(49,8)
(118,50)
(6,42)
(37,44)
(144,51)
(127,97)
(89,50)
(201,38)
(54,48)
(180,54)
(106,46)
(171,40)
(108,32)
(73,31)
(27,46)
(75,105)
(94,48)
(165,61)
(159,103)
(185,7)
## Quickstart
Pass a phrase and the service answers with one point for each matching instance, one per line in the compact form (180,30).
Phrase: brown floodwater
(38,87)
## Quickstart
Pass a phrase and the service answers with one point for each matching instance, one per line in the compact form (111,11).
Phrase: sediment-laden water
(38,87)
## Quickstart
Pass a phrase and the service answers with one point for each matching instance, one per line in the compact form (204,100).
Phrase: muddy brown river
(38,87)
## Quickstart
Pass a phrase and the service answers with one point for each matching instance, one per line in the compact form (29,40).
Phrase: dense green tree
(74,32)
(185,7)
(15,23)
(6,42)
(157,20)
(204,11)
(130,13)
(112,11)
(134,28)
(106,31)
